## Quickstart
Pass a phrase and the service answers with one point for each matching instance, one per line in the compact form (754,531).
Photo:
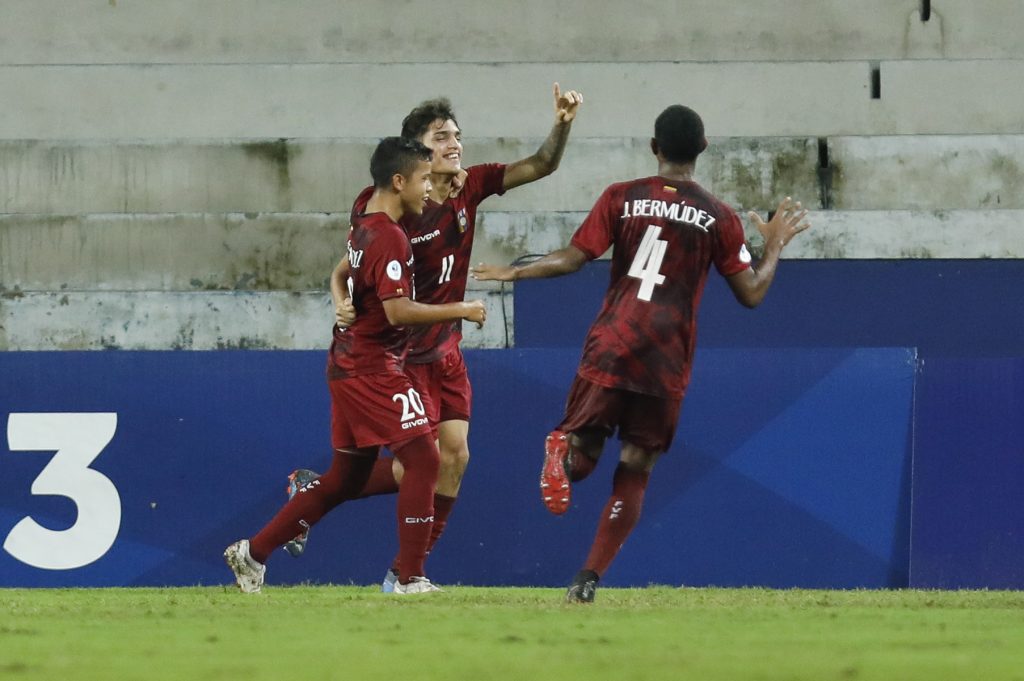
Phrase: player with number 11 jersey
(442,240)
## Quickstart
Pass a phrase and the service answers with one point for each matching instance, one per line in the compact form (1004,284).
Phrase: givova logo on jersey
(413,412)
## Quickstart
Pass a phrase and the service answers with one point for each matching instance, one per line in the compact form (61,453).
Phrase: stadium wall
(823,443)
(176,176)
(965,319)
(192,449)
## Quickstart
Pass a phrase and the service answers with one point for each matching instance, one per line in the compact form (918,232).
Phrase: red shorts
(646,421)
(444,384)
(375,409)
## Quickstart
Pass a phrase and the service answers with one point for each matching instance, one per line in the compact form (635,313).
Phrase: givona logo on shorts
(413,520)
(412,424)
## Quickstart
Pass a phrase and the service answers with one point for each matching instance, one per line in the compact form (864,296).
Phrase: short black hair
(396,155)
(679,133)
(420,119)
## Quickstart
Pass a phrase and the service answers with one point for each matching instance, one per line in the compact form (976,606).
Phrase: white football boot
(248,573)
(416,585)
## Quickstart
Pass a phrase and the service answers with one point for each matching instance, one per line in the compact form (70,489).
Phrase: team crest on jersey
(463,220)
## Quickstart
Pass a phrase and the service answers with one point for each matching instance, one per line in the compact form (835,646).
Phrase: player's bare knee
(637,458)
(453,446)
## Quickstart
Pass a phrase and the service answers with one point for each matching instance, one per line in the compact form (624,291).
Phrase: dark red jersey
(442,240)
(666,234)
(380,259)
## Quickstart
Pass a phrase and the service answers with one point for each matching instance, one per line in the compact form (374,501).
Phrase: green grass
(355,633)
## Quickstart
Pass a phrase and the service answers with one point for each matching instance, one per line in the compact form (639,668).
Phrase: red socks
(343,481)
(442,507)
(421,461)
(382,479)
(620,516)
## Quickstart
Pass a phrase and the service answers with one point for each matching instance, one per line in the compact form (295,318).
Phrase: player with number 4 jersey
(666,232)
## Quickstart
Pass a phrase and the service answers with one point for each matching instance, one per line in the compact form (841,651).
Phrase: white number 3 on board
(76,439)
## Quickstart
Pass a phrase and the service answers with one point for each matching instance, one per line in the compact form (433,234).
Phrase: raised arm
(555,264)
(546,159)
(751,285)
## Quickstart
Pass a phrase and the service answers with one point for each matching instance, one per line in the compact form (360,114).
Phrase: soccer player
(666,231)
(372,401)
(442,239)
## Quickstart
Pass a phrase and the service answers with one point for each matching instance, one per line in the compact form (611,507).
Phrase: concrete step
(325,175)
(156,320)
(927,172)
(757,98)
(269,31)
(296,252)
(850,234)
(933,172)
(170,252)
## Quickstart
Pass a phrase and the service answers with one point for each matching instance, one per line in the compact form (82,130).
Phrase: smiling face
(444,139)
(415,188)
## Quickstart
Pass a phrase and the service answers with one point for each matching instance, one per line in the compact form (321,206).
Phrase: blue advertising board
(790,468)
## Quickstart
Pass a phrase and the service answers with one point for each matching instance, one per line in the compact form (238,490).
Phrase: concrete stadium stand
(208,320)
(325,175)
(940,172)
(268,31)
(622,99)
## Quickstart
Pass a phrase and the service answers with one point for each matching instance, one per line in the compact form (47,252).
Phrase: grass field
(356,633)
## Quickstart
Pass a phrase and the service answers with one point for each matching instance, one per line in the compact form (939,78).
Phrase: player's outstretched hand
(345,313)
(566,104)
(475,312)
(787,222)
(485,272)
(458,182)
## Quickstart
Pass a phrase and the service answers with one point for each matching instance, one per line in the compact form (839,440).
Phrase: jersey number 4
(647,262)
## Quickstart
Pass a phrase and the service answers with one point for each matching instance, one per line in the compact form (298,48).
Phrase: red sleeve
(731,254)
(484,180)
(389,264)
(359,205)
(597,233)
